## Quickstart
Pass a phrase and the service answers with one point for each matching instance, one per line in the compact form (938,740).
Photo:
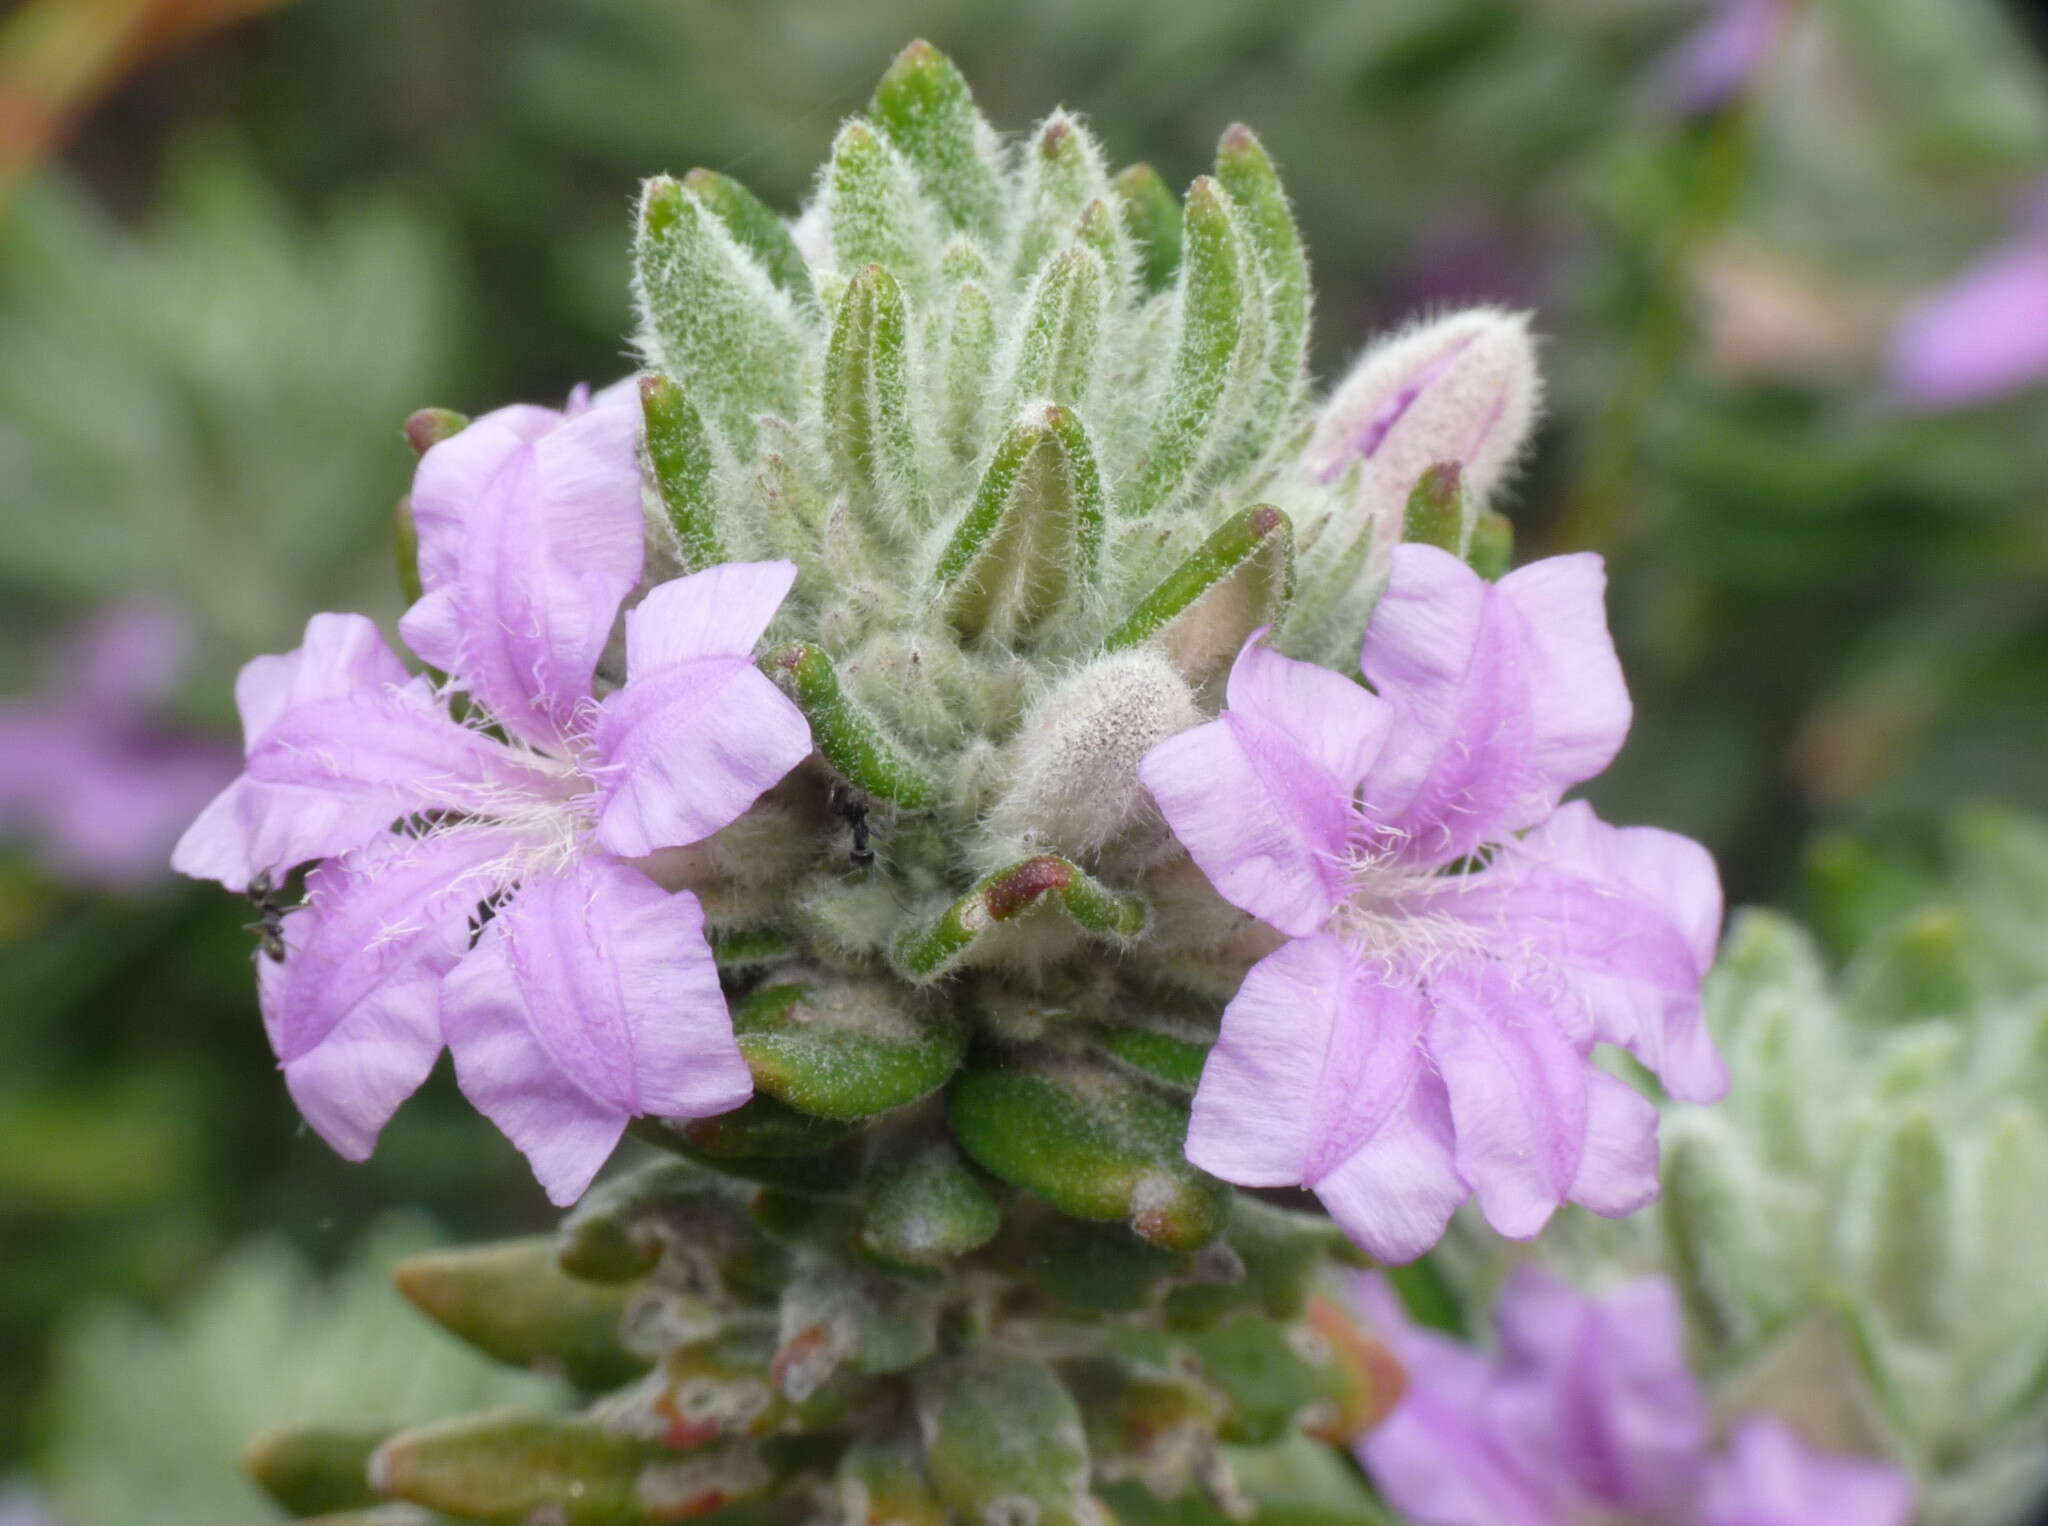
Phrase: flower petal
(1262,796)
(353,1010)
(1252,1120)
(550,542)
(720,612)
(685,750)
(1769,1478)
(1398,1190)
(454,474)
(618,1014)
(1630,915)
(1517,1091)
(1503,697)
(1983,335)
(565,1133)
(252,827)
(1618,1172)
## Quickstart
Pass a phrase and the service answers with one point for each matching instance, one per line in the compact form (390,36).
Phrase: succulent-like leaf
(848,737)
(1063,173)
(838,1048)
(1031,541)
(1247,174)
(1237,580)
(608,1236)
(1436,513)
(924,108)
(969,368)
(756,229)
(1047,882)
(679,450)
(1088,1143)
(1215,297)
(315,1469)
(873,210)
(1492,551)
(1061,337)
(928,1209)
(1004,1441)
(711,317)
(512,1301)
(883,1479)
(1154,219)
(867,403)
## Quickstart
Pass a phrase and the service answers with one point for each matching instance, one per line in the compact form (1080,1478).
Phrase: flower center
(1391,913)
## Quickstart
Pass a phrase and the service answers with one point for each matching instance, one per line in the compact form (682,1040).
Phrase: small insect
(853,810)
(269,924)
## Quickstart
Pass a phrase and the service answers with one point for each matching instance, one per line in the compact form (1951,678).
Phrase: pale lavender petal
(1769,1478)
(1369,1065)
(1618,1172)
(550,544)
(1398,1190)
(1597,1394)
(720,612)
(1503,697)
(125,660)
(1253,1116)
(1517,1091)
(1984,335)
(1252,795)
(252,827)
(113,808)
(565,1133)
(1334,722)
(453,477)
(1631,916)
(1719,57)
(353,1010)
(685,750)
(618,1014)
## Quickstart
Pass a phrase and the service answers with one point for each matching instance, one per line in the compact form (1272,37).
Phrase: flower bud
(1462,389)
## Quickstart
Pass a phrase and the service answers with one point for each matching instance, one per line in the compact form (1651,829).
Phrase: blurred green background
(240,240)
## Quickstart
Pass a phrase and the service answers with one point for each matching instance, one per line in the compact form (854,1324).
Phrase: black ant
(851,808)
(269,924)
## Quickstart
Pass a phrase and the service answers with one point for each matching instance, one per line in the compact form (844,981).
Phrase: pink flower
(1984,334)
(1719,58)
(1457,942)
(1586,1410)
(590,995)
(88,770)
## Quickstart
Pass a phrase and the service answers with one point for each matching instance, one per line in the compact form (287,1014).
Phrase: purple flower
(1586,1410)
(1719,58)
(1425,1033)
(1984,334)
(88,770)
(590,997)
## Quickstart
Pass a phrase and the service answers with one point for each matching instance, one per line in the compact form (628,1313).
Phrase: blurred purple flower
(1986,332)
(1586,1410)
(1425,1035)
(590,997)
(89,771)
(1717,60)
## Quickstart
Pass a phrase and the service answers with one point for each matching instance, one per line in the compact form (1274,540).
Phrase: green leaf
(1175,1061)
(1031,540)
(405,550)
(1063,173)
(1000,898)
(848,737)
(1297,1483)
(1004,1442)
(315,1469)
(1153,217)
(1436,509)
(515,1466)
(867,403)
(1215,295)
(763,1128)
(711,317)
(1247,174)
(1090,1142)
(930,1209)
(1285,1253)
(1492,551)
(611,1235)
(756,228)
(873,209)
(889,1475)
(969,369)
(1237,580)
(680,451)
(1062,333)
(1103,1268)
(927,112)
(843,1049)
(512,1301)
